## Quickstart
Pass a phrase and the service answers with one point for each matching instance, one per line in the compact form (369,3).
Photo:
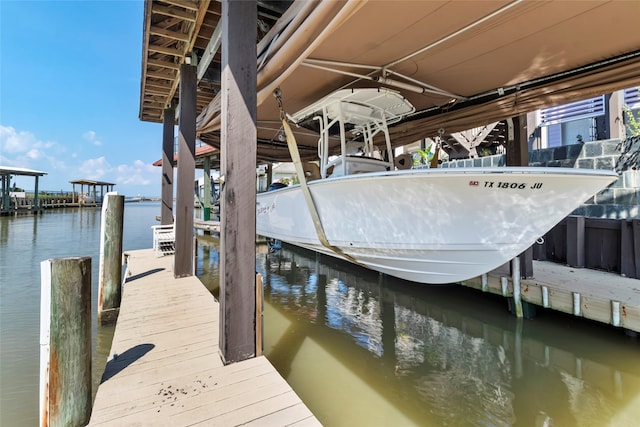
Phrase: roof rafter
(175,35)
(188,15)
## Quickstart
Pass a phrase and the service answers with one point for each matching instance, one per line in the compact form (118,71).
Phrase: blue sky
(70,93)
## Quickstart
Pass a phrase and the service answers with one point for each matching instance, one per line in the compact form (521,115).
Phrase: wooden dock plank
(184,386)
(293,414)
(164,367)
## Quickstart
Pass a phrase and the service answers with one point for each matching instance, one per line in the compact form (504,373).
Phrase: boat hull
(430,225)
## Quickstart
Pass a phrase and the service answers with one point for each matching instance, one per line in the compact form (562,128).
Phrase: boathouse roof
(461,65)
(201,152)
(6,170)
(90,182)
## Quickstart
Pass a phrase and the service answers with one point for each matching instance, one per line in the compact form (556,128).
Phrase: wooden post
(238,168)
(168,123)
(517,141)
(35,207)
(533,131)
(614,116)
(206,207)
(526,263)
(504,286)
(65,342)
(110,271)
(518,155)
(515,277)
(577,305)
(259,315)
(545,297)
(269,175)
(183,258)
(630,248)
(575,241)
(540,250)
(5,192)
(615,313)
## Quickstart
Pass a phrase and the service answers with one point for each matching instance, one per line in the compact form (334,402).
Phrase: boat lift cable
(295,157)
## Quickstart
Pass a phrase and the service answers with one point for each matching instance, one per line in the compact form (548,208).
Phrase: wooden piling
(65,342)
(238,181)
(615,313)
(545,296)
(110,271)
(168,122)
(504,282)
(577,307)
(183,259)
(515,277)
(206,202)
(259,315)
(575,241)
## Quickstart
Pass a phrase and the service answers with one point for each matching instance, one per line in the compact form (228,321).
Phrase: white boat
(424,225)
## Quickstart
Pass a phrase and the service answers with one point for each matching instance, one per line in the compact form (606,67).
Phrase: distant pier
(164,367)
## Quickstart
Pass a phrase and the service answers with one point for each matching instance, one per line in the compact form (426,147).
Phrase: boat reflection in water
(361,348)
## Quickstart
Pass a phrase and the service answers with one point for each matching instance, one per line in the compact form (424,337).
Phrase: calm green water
(366,350)
(360,349)
(25,241)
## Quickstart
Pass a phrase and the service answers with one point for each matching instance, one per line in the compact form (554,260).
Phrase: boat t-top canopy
(366,113)
(360,106)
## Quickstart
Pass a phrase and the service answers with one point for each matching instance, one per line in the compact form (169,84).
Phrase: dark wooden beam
(517,141)
(168,123)
(183,259)
(614,116)
(238,168)
(518,155)
(576,241)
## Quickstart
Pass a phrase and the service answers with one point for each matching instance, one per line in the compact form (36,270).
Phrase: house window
(572,123)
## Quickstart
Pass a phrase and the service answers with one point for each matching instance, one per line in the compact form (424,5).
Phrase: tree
(632,120)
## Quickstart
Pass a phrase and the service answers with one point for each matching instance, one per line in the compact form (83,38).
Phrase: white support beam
(470,139)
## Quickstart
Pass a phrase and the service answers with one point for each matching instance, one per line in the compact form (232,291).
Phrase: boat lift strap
(295,156)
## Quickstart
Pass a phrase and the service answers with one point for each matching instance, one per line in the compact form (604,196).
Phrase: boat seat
(311,171)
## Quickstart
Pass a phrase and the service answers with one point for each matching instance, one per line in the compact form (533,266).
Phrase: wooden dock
(164,367)
(591,294)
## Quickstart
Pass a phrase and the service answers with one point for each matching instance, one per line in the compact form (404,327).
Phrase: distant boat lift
(9,202)
(91,196)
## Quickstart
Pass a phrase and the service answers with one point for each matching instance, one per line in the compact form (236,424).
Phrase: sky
(70,76)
